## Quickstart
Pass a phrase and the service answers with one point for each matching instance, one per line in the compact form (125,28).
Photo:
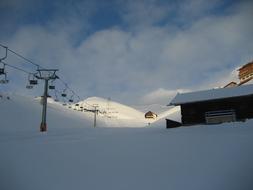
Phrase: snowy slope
(113,109)
(73,155)
(112,113)
(156,108)
(19,110)
(173,113)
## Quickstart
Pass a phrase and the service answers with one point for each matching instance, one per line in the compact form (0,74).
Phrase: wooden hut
(150,115)
(216,105)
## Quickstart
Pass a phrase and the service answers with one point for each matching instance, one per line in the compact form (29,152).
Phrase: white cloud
(144,13)
(161,96)
(128,65)
(194,9)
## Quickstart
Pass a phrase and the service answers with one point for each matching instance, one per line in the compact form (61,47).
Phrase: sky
(135,52)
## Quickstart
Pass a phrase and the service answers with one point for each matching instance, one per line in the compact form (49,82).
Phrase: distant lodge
(150,115)
(214,106)
(246,72)
(245,75)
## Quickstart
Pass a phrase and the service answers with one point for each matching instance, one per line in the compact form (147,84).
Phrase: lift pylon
(46,75)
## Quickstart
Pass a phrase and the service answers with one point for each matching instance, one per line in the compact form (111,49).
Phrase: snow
(156,108)
(249,82)
(74,155)
(113,109)
(212,94)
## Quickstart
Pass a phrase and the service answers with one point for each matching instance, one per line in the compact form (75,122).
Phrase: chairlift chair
(2,71)
(77,104)
(63,94)
(5,80)
(29,86)
(5,56)
(56,97)
(33,82)
(51,87)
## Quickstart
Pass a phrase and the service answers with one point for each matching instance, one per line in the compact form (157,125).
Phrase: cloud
(195,9)
(161,96)
(128,64)
(144,13)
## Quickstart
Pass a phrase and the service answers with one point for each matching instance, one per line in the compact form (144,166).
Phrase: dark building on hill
(216,105)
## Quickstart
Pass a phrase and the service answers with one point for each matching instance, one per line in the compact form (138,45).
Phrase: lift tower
(46,75)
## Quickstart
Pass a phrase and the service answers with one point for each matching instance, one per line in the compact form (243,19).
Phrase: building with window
(246,72)
(216,105)
(150,115)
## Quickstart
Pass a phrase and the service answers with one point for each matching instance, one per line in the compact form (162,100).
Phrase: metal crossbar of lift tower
(47,74)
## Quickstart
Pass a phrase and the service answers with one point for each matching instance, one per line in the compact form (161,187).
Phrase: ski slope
(74,155)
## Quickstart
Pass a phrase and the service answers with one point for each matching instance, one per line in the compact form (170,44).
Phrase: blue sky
(136,52)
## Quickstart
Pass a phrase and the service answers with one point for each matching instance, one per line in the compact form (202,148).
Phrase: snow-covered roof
(213,94)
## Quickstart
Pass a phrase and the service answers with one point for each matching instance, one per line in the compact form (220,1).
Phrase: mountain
(112,109)
(74,155)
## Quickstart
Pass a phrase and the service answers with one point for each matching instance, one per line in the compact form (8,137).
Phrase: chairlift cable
(28,60)
(17,68)
(38,66)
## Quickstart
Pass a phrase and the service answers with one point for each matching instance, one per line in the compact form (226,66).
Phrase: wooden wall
(194,113)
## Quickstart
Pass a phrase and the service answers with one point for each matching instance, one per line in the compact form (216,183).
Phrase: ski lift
(2,70)
(51,87)
(77,105)
(29,86)
(5,80)
(32,80)
(5,56)
(56,97)
(71,99)
(64,93)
